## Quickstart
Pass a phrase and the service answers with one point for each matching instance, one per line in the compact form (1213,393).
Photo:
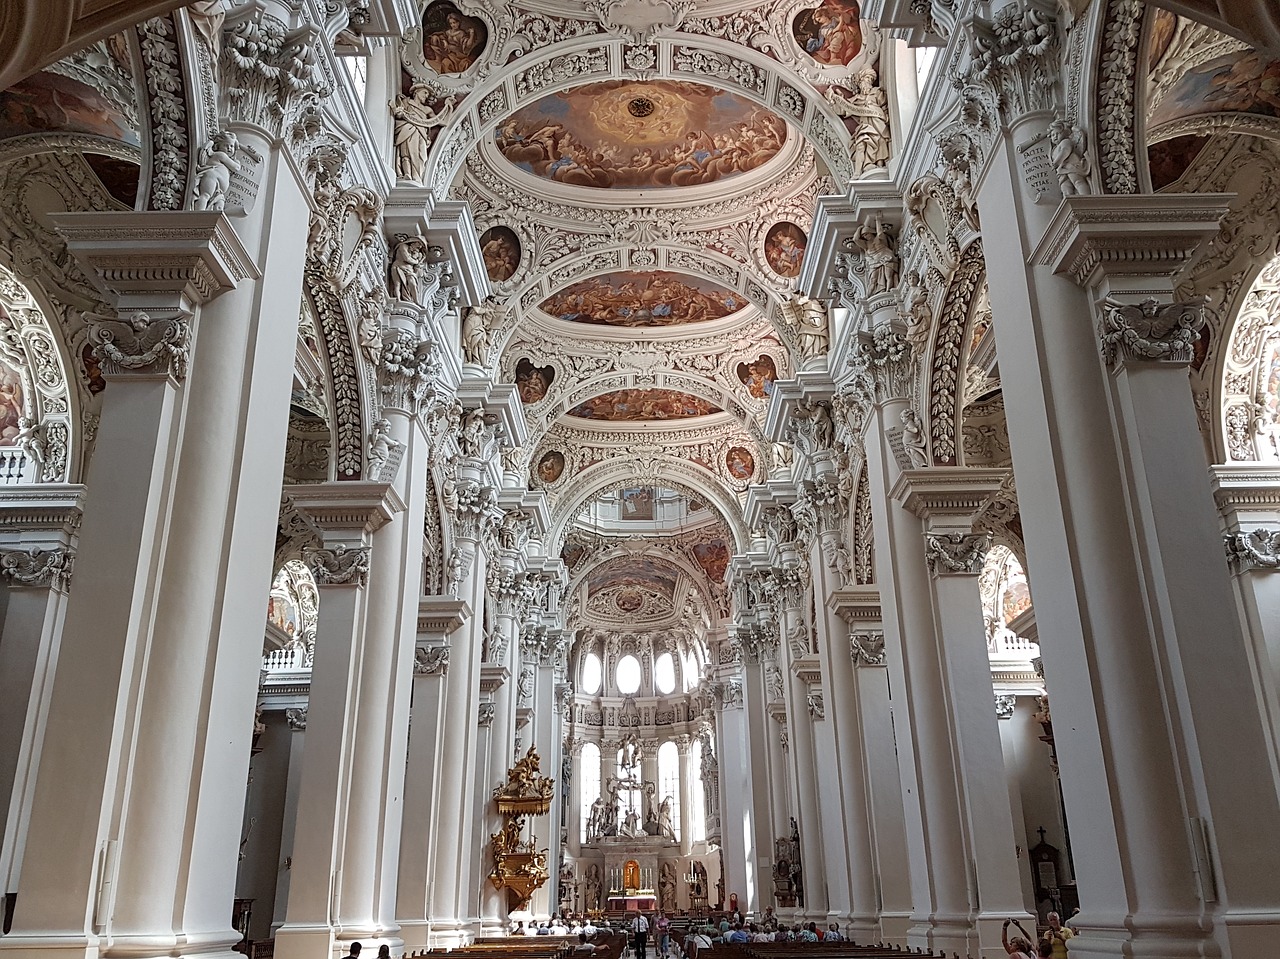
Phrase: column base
(1103,936)
(448,934)
(210,946)
(416,933)
(49,947)
(1251,934)
(989,927)
(303,941)
(859,927)
(948,933)
(893,928)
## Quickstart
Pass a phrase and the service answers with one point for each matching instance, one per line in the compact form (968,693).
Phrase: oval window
(664,673)
(628,675)
(591,674)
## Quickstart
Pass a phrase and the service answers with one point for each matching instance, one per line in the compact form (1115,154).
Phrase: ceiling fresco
(640,404)
(651,298)
(48,102)
(640,135)
(713,557)
(1234,83)
(451,40)
(643,572)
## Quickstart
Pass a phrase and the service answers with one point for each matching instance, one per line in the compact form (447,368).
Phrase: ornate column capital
(1014,61)
(408,370)
(1005,706)
(431,660)
(37,567)
(484,714)
(341,566)
(814,702)
(296,716)
(1257,549)
(1150,331)
(956,553)
(883,366)
(866,647)
(270,71)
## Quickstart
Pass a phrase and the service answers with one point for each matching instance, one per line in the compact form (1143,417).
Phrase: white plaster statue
(415,119)
(782,455)
(370,330)
(524,689)
(916,314)
(213,171)
(809,319)
(475,333)
(881,259)
(381,448)
(913,439)
(1069,158)
(665,826)
(30,438)
(406,269)
(868,106)
(1266,429)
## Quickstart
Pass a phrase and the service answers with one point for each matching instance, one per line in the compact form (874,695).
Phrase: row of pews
(808,950)
(560,947)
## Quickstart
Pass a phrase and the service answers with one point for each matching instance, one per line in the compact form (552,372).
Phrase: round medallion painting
(784,246)
(451,40)
(831,33)
(532,382)
(501,250)
(740,463)
(633,134)
(759,375)
(551,466)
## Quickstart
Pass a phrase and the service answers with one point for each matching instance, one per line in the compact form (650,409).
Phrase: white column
(1248,498)
(547,732)
(438,618)
(739,814)
(347,515)
(947,498)
(151,711)
(296,717)
(686,841)
(860,607)
(1222,744)
(456,834)
(37,556)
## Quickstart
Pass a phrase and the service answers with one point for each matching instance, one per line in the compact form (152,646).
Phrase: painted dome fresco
(633,405)
(651,298)
(640,135)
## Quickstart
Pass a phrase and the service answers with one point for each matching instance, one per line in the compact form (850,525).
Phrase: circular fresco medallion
(740,463)
(501,250)
(759,375)
(551,466)
(784,247)
(628,600)
(451,40)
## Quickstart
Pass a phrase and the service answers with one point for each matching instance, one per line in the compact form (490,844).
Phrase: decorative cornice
(51,509)
(359,508)
(856,605)
(957,492)
(441,615)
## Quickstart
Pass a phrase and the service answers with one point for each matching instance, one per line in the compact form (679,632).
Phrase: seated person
(589,928)
(738,934)
(584,948)
(695,943)
(807,933)
(543,930)
(833,934)
(558,928)
(761,934)
(783,934)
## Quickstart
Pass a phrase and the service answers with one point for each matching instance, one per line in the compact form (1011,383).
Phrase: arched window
(589,777)
(664,673)
(690,669)
(591,674)
(669,779)
(697,796)
(628,675)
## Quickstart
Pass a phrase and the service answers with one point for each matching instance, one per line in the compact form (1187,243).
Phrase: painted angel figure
(415,119)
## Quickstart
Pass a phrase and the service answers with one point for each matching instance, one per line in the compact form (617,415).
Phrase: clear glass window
(664,673)
(589,777)
(628,675)
(591,674)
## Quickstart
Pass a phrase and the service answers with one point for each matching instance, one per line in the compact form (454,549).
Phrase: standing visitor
(663,927)
(640,928)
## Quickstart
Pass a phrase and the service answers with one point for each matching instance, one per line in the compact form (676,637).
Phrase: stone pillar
(761,753)
(686,840)
(438,618)
(1248,497)
(1168,566)
(151,710)
(347,515)
(37,555)
(457,838)
(947,500)
(860,608)
(740,814)
(842,768)
(547,734)
(296,717)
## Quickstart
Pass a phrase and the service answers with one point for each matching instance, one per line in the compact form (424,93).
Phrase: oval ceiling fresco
(642,299)
(638,404)
(640,135)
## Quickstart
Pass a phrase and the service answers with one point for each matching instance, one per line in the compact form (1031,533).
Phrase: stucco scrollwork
(956,552)
(339,566)
(49,568)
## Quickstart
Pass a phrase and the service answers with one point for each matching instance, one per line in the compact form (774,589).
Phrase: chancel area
(740,478)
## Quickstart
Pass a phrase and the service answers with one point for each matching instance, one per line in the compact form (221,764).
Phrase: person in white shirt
(640,928)
(589,929)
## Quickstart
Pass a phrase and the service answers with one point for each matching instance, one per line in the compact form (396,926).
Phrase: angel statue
(477,337)
(213,171)
(415,119)
(1069,158)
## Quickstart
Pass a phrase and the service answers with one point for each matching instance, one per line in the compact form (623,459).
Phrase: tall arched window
(669,781)
(589,777)
(664,673)
(628,675)
(697,797)
(591,674)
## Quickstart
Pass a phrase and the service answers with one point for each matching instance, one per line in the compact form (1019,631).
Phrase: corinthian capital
(407,371)
(1015,59)
(883,364)
(340,566)
(268,71)
(50,568)
(956,552)
(1162,332)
